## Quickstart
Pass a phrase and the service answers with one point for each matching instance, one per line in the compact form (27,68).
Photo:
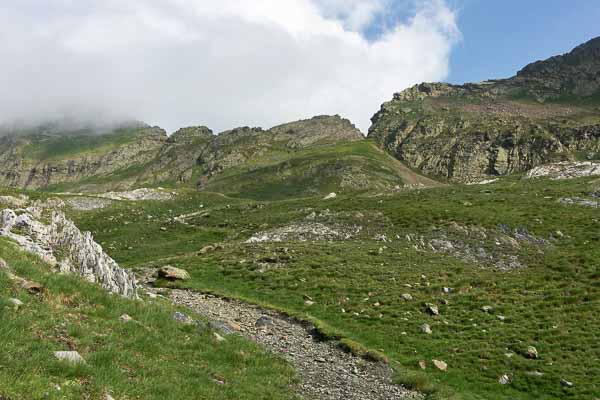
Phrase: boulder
(504,380)
(15,302)
(182,318)
(566,383)
(425,328)
(330,196)
(126,318)
(441,365)
(218,337)
(264,322)
(33,287)
(173,274)
(69,356)
(3,264)
(432,309)
(531,353)
(207,249)
(407,296)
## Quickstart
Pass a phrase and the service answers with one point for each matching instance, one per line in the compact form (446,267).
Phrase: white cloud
(220,63)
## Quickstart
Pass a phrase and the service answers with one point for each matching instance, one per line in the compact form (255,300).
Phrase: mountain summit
(547,112)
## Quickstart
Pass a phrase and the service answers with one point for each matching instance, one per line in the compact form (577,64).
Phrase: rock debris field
(326,371)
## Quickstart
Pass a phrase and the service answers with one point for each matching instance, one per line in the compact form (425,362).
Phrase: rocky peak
(320,129)
(189,134)
(426,89)
(153,133)
(574,73)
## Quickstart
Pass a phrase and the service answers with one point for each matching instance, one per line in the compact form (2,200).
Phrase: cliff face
(548,112)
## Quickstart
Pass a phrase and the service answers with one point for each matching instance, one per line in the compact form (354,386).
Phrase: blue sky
(500,37)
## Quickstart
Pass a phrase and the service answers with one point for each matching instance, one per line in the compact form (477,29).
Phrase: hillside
(314,156)
(549,111)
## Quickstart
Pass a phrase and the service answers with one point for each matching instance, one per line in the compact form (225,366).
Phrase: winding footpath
(326,372)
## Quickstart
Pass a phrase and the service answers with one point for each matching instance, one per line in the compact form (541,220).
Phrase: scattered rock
(182,318)
(306,231)
(3,264)
(87,203)
(407,296)
(579,201)
(33,287)
(330,196)
(441,365)
(504,380)
(225,327)
(425,328)
(173,274)
(218,337)
(69,356)
(125,318)
(531,353)
(536,374)
(566,383)
(15,302)
(432,309)
(207,249)
(139,194)
(565,170)
(501,317)
(423,364)
(308,303)
(264,322)
(487,309)
(325,370)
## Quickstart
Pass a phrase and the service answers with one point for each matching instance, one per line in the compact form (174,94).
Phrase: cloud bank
(221,63)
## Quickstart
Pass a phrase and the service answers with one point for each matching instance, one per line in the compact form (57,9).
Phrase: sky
(229,63)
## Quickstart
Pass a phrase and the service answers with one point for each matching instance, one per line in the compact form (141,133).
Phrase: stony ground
(326,372)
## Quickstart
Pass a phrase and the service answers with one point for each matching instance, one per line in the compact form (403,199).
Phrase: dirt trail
(326,372)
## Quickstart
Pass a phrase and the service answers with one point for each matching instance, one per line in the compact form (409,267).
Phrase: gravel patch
(326,372)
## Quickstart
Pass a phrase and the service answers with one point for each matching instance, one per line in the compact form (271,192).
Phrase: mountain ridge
(548,112)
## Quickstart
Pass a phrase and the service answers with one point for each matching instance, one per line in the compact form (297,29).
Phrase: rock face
(548,112)
(565,170)
(62,244)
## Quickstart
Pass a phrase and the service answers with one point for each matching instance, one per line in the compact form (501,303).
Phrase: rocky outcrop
(60,243)
(476,131)
(565,170)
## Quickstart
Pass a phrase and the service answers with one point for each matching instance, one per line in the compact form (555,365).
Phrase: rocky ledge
(60,243)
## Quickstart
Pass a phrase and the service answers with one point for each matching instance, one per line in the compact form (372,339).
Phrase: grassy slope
(551,305)
(313,171)
(151,358)
(61,147)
